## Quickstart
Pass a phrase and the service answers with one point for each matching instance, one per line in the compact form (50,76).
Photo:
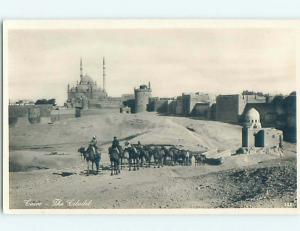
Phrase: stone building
(202,110)
(21,115)
(125,110)
(142,96)
(229,108)
(279,112)
(161,105)
(89,93)
(179,106)
(290,128)
(254,136)
(190,100)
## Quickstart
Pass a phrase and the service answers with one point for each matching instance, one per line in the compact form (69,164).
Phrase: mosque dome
(252,119)
(87,79)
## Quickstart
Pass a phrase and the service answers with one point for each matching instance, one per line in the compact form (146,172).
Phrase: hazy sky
(42,62)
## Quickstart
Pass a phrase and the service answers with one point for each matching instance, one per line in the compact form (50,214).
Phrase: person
(93,143)
(139,146)
(116,144)
(128,145)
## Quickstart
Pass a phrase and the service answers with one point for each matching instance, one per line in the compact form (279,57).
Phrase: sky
(41,63)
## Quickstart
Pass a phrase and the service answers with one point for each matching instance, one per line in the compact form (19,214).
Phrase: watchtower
(142,95)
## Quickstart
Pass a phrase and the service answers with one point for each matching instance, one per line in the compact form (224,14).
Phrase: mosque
(254,136)
(86,94)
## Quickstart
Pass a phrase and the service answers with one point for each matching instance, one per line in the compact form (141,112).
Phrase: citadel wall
(202,110)
(228,108)
(21,115)
(190,100)
(110,102)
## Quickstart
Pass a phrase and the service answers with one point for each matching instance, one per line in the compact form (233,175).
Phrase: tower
(142,96)
(68,91)
(103,68)
(81,70)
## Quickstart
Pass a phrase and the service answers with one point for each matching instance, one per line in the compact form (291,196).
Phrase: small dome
(252,114)
(252,119)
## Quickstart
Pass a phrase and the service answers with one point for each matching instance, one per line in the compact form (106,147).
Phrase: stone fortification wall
(228,108)
(190,100)
(20,115)
(109,102)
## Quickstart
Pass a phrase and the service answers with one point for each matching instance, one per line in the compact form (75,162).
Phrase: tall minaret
(103,66)
(68,91)
(81,70)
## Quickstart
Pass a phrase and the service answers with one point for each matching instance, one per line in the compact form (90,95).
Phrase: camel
(133,157)
(91,155)
(114,156)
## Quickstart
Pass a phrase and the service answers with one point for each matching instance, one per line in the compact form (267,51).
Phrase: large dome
(87,79)
(252,119)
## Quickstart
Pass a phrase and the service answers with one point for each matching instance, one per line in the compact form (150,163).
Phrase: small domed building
(252,119)
(253,135)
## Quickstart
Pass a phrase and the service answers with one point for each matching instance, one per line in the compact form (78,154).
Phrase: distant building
(89,94)
(253,135)
(142,96)
(202,110)
(161,105)
(22,102)
(229,108)
(190,100)
(290,128)
(128,100)
(125,109)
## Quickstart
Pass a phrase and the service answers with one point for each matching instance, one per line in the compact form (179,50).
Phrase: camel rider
(128,145)
(93,143)
(116,144)
(139,146)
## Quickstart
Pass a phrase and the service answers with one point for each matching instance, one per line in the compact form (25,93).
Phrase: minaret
(103,66)
(149,85)
(68,91)
(81,70)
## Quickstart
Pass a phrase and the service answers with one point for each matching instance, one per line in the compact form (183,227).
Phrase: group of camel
(136,156)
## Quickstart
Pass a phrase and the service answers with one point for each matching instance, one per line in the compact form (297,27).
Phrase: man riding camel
(116,144)
(139,146)
(93,143)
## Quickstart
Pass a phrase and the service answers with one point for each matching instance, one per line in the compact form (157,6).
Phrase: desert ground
(46,171)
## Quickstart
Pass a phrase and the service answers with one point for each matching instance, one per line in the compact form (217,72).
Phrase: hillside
(146,127)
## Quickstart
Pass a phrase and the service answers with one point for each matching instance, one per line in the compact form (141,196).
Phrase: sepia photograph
(150,116)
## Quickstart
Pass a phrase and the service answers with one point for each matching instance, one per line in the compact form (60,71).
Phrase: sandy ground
(46,171)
